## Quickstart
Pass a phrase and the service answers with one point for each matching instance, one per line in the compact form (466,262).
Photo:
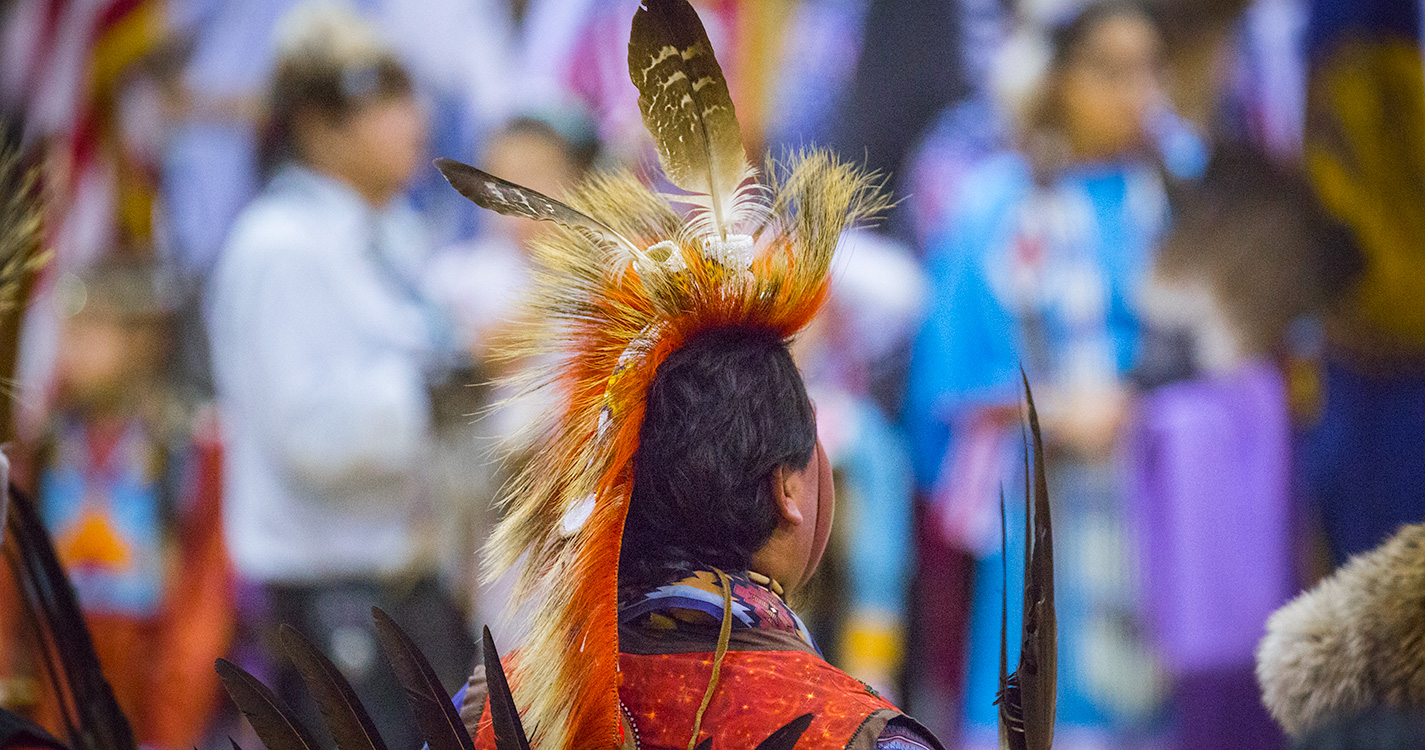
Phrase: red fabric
(758,693)
(199,616)
(161,669)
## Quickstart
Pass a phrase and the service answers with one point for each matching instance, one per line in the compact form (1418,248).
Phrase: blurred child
(129,489)
(1251,257)
(1038,268)
(325,349)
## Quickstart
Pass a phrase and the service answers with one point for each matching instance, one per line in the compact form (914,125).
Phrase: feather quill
(98,723)
(1028,706)
(786,737)
(509,732)
(270,717)
(687,107)
(341,709)
(439,723)
(504,197)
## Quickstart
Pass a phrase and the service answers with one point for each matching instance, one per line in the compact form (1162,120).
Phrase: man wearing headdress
(680,493)
(732,493)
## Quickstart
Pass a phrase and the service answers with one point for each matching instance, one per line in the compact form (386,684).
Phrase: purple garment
(1208,472)
(1222,709)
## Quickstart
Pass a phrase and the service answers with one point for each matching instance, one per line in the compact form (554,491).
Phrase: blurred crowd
(259,378)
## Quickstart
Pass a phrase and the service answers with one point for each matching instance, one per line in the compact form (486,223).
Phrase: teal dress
(1043,278)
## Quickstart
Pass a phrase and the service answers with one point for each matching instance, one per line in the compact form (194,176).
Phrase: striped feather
(687,108)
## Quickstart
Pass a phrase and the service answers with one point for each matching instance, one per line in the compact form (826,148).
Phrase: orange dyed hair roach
(621,282)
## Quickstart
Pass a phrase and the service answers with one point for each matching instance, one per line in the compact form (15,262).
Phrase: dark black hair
(724,412)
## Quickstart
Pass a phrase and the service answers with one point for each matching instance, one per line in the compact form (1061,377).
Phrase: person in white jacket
(323,344)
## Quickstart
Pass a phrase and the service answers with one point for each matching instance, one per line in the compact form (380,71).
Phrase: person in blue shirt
(1037,268)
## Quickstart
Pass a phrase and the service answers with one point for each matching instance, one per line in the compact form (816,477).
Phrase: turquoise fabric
(120,497)
(972,346)
(1044,278)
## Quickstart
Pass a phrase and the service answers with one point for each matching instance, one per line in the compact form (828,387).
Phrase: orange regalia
(765,671)
(625,277)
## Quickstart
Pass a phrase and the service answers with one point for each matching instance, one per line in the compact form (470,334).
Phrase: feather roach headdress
(622,281)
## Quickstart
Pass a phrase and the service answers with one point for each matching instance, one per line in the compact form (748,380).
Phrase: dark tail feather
(1039,657)
(234,743)
(345,717)
(1004,595)
(509,733)
(786,737)
(436,716)
(96,722)
(1028,493)
(1007,697)
(270,717)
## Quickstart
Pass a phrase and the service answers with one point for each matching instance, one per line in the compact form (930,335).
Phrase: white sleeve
(339,411)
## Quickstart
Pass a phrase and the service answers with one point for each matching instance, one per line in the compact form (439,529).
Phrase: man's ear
(786,486)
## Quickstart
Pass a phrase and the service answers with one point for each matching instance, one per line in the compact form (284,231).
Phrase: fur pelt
(1354,642)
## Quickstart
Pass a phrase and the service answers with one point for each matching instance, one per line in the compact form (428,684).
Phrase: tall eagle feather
(687,107)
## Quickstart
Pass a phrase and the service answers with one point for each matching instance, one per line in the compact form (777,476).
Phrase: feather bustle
(270,717)
(346,718)
(509,731)
(1028,697)
(430,703)
(786,737)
